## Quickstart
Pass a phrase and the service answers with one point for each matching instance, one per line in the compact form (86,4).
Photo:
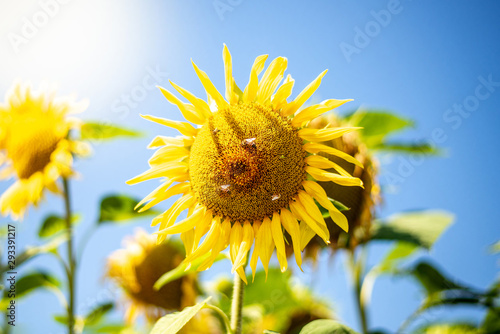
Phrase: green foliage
(98,313)
(408,148)
(431,279)
(28,284)
(491,322)
(173,323)
(181,270)
(105,131)
(120,208)
(421,228)
(53,224)
(326,326)
(377,124)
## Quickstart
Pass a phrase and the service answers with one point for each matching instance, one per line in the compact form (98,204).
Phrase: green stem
(357,272)
(71,259)
(237,304)
(223,316)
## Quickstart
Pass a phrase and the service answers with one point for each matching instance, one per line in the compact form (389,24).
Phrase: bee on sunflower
(249,170)
(35,147)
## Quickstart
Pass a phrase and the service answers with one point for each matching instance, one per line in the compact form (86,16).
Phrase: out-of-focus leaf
(495,248)
(119,208)
(105,131)
(409,148)
(491,322)
(325,326)
(30,282)
(96,315)
(456,328)
(377,124)
(421,228)
(432,280)
(32,251)
(54,224)
(173,322)
(113,328)
(398,253)
(181,271)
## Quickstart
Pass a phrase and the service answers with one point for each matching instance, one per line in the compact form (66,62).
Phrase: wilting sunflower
(248,171)
(137,267)
(360,201)
(34,146)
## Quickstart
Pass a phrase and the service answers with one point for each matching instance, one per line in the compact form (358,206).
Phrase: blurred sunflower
(138,266)
(35,146)
(360,201)
(249,170)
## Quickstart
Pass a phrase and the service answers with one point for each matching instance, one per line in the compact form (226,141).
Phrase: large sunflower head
(137,267)
(248,170)
(34,146)
(360,201)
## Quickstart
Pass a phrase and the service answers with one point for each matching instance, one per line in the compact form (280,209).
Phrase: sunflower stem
(237,304)
(71,259)
(357,266)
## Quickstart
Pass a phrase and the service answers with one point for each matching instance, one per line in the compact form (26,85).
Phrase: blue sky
(422,59)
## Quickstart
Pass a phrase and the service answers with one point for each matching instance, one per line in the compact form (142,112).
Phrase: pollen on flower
(238,171)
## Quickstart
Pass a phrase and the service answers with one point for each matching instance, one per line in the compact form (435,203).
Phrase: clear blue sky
(420,61)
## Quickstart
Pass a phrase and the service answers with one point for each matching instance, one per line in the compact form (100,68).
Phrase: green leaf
(491,322)
(326,326)
(105,131)
(409,148)
(495,248)
(421,228)
(181,271)
(396,255)
(172,323)
(96,315)
(377,124)
(30,282)
(432,279)
(54,224)
(119,208)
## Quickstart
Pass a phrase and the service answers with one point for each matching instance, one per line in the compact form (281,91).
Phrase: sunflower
(248,170)
(34,146)
(137,267)
(360,201)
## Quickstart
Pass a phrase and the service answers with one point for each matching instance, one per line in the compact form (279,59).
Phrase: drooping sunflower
(136,268)
(35,146)
(360,201)
(248,170)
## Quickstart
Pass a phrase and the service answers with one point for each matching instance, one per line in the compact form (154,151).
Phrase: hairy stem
(237,304)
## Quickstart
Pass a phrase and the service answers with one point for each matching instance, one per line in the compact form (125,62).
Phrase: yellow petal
(253,84)
(235,240)
(299,211)
(292,227)
(231,96)
(316,191)
(306,234)
(245,245)
(184,225)
(162,193)
(292,107)
(171,141)
(183,127)
(210,88)
(202,226)
(267,244)
(279,241)
(316,110)
(256,248)
(316,135)
(312,209)
(199,104)
(283,92)
(180,205)
(168,154)
(321,175)
(211,239)
(188,241)
(323,163)
(189,112)
(316,148)
(169,170)
(271,79)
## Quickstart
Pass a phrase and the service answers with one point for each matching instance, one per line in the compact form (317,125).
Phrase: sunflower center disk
(30,146)
(246,162)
